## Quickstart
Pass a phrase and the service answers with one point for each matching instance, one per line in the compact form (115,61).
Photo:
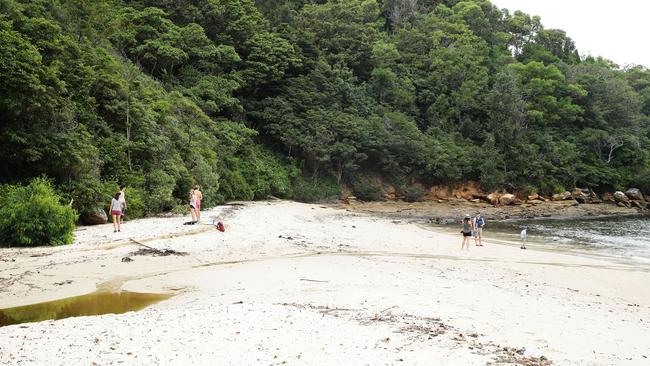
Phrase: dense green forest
(295,98)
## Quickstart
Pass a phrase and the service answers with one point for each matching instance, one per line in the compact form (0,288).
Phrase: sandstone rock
(608,197)
(535,202)
(575,192)
(476,200)
(639,204)
(96,217)
(493,198)
(507,199)
(533,197)
(621,204)
(561,196)
(634,194)
(620,197)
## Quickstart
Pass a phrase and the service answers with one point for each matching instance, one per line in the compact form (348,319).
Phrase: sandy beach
(298,284)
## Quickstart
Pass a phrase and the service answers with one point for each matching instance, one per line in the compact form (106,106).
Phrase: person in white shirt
(116,212)
(522,235)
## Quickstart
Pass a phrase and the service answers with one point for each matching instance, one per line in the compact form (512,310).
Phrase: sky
(616,30)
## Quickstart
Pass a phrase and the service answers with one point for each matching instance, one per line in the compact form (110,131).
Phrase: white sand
(346,289)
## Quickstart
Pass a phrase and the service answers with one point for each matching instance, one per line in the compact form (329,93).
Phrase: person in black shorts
(467,231)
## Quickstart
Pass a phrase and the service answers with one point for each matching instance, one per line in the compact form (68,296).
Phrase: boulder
(581,195)
(639,204)
(493,198)
(634,194)
(575,192)
(507,199)
(533,197)
(608,197)
(620,197)
(95,217)
(621,204)
(562,196)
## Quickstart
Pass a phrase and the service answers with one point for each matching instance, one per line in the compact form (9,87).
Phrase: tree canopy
(252,98)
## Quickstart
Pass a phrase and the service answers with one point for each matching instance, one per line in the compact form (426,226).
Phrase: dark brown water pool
(96,303)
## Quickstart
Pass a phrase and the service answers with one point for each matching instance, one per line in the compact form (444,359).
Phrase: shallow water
(626,238)
(96,303)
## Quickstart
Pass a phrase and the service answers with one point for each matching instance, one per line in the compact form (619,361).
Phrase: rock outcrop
(634,194)
(96,217)
(507,199)
(621,197)
(493,198)
(562,196)
(533,197)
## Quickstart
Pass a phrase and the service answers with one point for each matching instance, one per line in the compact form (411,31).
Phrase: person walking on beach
(523,235)
(116,212)
(478,224)
(122,201)
(199,197)
(467,231)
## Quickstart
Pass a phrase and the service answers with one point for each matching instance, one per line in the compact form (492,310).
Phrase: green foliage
(34,215)
(246,98)
(414,193)
(366,187)
(314,190)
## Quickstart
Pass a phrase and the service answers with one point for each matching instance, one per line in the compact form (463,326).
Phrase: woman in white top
(116,212)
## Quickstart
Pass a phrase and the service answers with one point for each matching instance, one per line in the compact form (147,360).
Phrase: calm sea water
(625,238)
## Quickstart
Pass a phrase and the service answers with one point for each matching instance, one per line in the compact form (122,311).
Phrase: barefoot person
(467,231)
(523,235)
(116,212)
(122,201)
(199,197)
(193,205)
(477,225)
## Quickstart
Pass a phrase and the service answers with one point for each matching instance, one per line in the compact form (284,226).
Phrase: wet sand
(298,284)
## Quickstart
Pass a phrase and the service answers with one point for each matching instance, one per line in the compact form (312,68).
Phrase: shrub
(33,215)
(312,190)
(414,193)
(365,188)
(159,187)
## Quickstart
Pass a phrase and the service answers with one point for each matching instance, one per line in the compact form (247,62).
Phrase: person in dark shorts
(478,224)
(193,206)
(466,232)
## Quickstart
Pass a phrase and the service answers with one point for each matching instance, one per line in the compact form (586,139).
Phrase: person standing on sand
(199,197)
(478,224)
(523,235)
(122,202)
(467,231)
(193,206)
(116,212)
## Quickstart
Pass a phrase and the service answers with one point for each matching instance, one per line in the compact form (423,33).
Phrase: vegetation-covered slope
(292,98)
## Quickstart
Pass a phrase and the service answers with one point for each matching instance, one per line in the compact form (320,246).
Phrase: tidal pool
(96,303)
